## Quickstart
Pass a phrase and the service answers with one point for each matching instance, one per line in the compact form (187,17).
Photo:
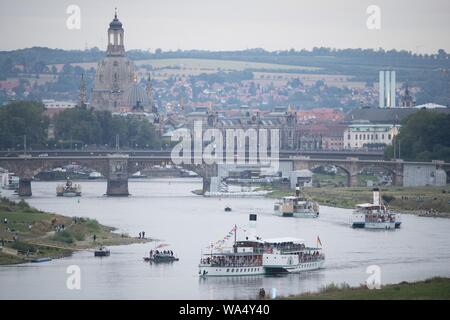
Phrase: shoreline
(412,200)
(31,234)
(436,288)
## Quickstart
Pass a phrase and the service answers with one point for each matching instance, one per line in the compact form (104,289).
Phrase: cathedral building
(116,86)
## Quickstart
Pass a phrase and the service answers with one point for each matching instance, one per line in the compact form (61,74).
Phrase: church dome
(115,24)
(136,98)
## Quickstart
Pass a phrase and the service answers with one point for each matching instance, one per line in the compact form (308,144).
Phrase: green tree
(79,124)
(424,136)
(23,118)
(92,127)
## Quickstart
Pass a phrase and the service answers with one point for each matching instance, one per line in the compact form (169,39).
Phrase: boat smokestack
(376,196)
(297,190)
(252,223)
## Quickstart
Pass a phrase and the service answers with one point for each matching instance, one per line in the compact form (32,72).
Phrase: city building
(285,121)
(407,99)
(369,135)
(53,107)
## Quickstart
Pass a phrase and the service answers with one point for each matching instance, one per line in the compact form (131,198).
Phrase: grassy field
(36,234)
(211,64)
(431,289)
(269,72)
(201,64)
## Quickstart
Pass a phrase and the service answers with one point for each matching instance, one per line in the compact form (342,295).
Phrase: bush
(387,198)
(92,225)
(79,235)
(23,247)
(63,236)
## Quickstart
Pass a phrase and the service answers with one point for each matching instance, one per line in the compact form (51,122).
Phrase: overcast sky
(418,25)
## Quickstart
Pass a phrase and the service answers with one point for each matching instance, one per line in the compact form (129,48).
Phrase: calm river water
(167,210)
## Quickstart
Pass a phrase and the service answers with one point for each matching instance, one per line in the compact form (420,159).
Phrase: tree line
(424,136)
(77,127)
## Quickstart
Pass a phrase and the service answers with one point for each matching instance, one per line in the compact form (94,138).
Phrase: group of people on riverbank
(142,235)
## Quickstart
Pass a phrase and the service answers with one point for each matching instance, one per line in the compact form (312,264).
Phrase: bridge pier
(25,187)
(117,188)
(397,180)
(206,185)
(117,185)
(352,180)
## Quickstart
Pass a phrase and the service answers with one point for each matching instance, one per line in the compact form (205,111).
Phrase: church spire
(149,90)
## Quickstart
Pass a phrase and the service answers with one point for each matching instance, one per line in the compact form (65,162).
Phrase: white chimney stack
(252,217)
(381,89)
(386,87)
(392,100)
(376,197)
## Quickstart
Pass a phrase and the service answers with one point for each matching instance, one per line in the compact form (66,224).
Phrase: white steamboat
(256,256)
(296,206)
(375,215)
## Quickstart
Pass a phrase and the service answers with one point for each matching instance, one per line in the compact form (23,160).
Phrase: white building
(430,105)
(362,135)
(53,104)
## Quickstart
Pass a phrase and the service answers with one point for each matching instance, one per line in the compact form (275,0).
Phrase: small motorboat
(161,257)
(68,189)
(102,252)
(227,209)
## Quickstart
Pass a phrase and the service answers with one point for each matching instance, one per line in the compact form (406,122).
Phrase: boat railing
(318,257)
(231,262)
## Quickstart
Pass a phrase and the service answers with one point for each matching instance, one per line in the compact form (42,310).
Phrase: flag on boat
(318,241)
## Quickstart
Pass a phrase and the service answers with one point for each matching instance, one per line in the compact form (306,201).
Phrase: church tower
(115,72)
(115,38)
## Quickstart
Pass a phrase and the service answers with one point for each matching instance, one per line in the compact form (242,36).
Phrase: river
(166,209)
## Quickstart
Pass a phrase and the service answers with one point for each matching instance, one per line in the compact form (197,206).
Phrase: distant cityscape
(313,111)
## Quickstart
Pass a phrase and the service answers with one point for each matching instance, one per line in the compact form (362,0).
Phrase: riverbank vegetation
(430,289)
(424,136)
(417,200)
(28,233)
(73,128)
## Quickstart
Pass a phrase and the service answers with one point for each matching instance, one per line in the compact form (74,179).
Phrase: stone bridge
(353,166)
(118,167)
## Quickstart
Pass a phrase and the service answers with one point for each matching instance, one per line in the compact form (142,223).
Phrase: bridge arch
(313,167)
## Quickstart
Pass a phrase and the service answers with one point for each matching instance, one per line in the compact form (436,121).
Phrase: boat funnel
(376,197)
(252,217)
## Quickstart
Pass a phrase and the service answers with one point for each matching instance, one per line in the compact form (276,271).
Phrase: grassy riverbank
(404,199)
(31,233)
(432,289)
